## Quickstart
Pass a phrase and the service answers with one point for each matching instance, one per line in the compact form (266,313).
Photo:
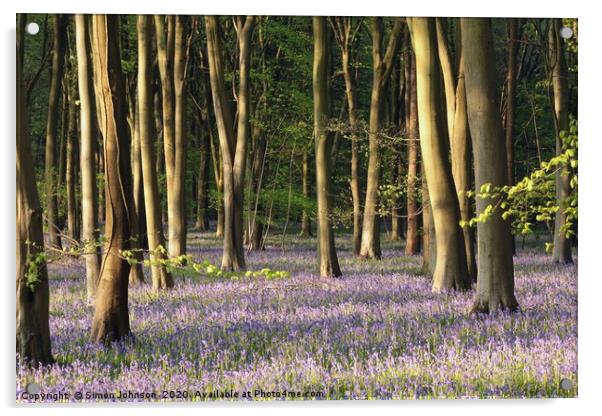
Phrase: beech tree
(346,35)
(495,281)
(161,278)
(450,270)
(327,256)
(111,318)
(382,67)
(87,157)
(32,329)
(171,58)
(50,167)
(559,77)
(233,147)
(412,235)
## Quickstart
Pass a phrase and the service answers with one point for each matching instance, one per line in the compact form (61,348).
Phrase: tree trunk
(111,319)
(90,235)
(495,283)
(447,70)
(429,250)
(511,97)
(233,148)
(396,210)
(170,50)
(370,245)
(71,161)
(32,329)
(451,271)
(137,214)
(562,245)
(462,169)
(256,237)
(305,220)
(161,278)
(202,219)
(50,167)
(327,255)
(412,236)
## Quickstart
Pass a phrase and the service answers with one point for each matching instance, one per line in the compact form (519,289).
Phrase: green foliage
(533,198)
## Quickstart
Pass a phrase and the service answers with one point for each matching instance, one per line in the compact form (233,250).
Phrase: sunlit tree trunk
(111,319)
(412,235)
(202,219)
(87,154)
(137,213)
(382,66)
(233,147)
(447,70)
(50,167)
(495,282)
(32,329)
(161,278)
(450,271)
(559,73)
(462,168)
(327,255)
(170,51)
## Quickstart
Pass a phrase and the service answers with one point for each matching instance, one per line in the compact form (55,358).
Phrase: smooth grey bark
(90,235)
(559,73)
(327,255)
(495,281)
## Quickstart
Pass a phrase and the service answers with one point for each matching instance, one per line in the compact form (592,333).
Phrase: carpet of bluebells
(376,333)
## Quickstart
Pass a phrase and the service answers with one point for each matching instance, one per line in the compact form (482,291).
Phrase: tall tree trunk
(559,73)
(429,246)
(256,237)
(327,255)
(161,278)
(170,50)
(396,210)
(345,36)
(495,283)
(90,235)
(462,168)
(451,271)
(513,34)
(111,318)
(202,218)
(370,246)
(412,236)
(233,148)
(32,329)
(50,167)
(447,70)
(305,219)
(71,160)
(137,214)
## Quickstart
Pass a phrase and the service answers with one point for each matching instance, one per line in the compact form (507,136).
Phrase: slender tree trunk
(170,50)
(32,329)
(50,167)
(256,237)
(179,168)
(462,169)
(327,255)
(161,278)
(90,235)
(429,251)
(495,283)
(511,97)
(396,210)
(447,70)
(233,148)
(412,236)
(562,245)
(451,271)
(137,213)
(202,219)
(370,245)
(111,318)
(71,161)
(305,220)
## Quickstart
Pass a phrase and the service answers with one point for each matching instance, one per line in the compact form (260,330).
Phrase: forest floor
(378,332)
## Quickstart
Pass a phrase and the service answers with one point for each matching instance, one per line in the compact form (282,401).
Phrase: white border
(590,94)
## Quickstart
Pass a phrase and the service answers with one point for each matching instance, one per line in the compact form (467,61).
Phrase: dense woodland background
(133,131)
